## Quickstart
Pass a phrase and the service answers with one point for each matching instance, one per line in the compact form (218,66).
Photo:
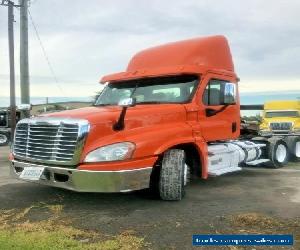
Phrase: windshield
(179,89)
(271,114)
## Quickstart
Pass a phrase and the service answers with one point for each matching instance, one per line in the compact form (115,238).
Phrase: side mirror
(128,102)
(229,93)
(24,107)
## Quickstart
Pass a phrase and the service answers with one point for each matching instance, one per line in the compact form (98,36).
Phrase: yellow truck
(282,118)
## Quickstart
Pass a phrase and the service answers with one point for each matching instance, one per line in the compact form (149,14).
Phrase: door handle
(233,127)
(211,112)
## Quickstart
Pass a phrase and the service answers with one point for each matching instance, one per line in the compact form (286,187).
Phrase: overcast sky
(87,39)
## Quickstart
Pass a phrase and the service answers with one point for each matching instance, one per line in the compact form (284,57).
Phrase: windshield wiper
(155,102)
(103,104)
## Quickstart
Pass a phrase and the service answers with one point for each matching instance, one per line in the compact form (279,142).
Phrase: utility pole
(11,6)
(24,68)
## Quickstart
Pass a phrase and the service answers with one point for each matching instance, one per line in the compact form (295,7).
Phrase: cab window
(213,93)
(219,92)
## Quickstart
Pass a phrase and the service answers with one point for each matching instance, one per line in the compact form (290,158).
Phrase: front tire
(3,139)
(172,175)
(293,143)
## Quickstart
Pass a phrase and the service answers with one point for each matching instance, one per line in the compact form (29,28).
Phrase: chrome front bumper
(88,181)
(278,133)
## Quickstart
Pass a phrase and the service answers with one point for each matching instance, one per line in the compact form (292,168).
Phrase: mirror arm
(120,124)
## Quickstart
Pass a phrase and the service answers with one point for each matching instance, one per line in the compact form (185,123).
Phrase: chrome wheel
(186,174)
(3,139)
(281,153)
(297,149)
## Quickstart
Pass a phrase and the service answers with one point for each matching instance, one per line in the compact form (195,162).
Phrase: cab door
(219,114)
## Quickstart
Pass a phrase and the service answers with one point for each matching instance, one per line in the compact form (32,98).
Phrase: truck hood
(93,114)
(282,119)
(142,124)
(140,115)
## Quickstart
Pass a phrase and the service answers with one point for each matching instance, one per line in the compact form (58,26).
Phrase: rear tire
(4,139)
(277,153)
(172,175)
(293,143)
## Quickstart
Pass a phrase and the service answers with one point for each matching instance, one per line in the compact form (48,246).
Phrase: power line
(45,53)
(32,2)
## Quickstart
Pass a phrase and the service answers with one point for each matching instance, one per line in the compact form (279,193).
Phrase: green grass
(36,240)
(17,232)
(59,240)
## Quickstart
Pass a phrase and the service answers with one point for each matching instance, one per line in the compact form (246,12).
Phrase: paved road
(261,190)
(4,170)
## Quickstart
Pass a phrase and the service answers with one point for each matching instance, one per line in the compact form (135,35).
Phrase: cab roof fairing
(193,56)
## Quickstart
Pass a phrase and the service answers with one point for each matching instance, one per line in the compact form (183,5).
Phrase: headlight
(265,133)
(113,152)
(296,130)
(264,125)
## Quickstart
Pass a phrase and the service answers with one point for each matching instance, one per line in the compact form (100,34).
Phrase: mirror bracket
(125,104)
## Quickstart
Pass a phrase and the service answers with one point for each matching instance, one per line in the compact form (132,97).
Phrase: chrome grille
(50,140)
(281,126)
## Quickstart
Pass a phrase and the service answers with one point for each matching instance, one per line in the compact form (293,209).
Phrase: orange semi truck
(173,113)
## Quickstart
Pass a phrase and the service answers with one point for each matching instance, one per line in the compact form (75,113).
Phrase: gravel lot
(209,206)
